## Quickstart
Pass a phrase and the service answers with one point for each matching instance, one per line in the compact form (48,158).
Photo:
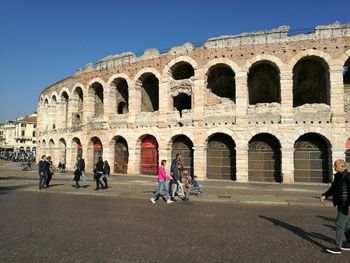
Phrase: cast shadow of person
(301,233)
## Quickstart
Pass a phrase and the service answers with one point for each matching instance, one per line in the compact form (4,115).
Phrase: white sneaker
(153,201)
(169,201)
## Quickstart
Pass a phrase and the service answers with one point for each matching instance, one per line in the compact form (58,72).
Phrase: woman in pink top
(163,182)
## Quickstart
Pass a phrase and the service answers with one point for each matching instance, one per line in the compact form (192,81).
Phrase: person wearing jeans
(42,167)
(163,183)
(340,190)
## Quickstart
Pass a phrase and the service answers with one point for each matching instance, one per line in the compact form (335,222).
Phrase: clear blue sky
(44,41)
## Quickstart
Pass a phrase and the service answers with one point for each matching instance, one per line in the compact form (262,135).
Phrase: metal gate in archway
(221,158)
(264,159)
(98,151)
(311,160)
(149,156)
(121,157)
(184,146)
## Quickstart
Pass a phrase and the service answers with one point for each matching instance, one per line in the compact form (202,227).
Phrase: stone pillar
(134,160)
(89,107)
(71,158)
(287,111)
(242,161)
(88,155)
(134,105)
(164,104)
(72,110)
(198,99)
(287,163)
(200,161)
(60,115)
(108,154)
(337,94)
(241,97)
(109,104)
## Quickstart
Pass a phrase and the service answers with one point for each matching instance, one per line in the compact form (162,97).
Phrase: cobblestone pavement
(232,222)
(50,227)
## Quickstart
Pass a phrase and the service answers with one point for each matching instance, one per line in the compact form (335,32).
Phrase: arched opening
(121,156)
(221,157)
(346,75)
(221,81)
(62,151)
(79,148)
(122,95)
(53,112)
(184,146)
(182,70)
(98,99)
(77,116)
(51,147)
(98,149)
(312,159)
(64,100)
(149,93)
(182,102)
(264,159)
(311,82)
(264,83)
(347,154)
(149,156)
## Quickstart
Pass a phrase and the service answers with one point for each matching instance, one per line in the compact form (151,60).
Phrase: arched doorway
(184,146)
(149,155)
(311,159)
(347,153)
(221,157)
(121,156)
(62,151)
(79,148)
(264,159)
(98,150)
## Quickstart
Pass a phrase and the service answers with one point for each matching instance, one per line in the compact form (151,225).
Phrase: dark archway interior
(183,145)
(264,84)
(346,74)
(122,96)
(182,102)
(182,70)
(311,82)
(98,93)
(221,81)
(150,94)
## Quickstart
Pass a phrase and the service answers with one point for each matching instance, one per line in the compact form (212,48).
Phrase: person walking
(99,173)
(42,167)
(50,170)
(81,167)
(106,172)
(177,185)
(76,178)
(163,179)
(340,191)
(172,167)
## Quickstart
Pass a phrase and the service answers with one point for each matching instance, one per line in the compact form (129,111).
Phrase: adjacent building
(266,106)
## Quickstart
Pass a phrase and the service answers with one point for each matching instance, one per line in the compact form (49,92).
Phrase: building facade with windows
(264,106)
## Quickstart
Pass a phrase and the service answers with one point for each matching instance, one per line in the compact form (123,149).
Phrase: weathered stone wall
(209,114)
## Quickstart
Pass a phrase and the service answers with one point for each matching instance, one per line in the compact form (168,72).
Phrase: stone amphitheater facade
(265,106)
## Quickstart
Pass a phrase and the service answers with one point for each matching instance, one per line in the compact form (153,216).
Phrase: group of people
(46,170)
(173,184)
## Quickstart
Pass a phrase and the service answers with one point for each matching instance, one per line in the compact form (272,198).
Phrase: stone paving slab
(141,187)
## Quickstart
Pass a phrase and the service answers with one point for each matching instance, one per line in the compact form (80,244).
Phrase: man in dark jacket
(42,167)
(340,190)
(99,173)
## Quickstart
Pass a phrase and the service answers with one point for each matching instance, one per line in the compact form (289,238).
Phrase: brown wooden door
(264,160)
(311,160)
(221,157)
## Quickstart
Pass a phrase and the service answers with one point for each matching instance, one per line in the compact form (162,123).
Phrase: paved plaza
(64,224)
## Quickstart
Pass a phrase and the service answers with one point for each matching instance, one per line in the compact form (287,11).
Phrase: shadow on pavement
(7,189)
(300,232)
